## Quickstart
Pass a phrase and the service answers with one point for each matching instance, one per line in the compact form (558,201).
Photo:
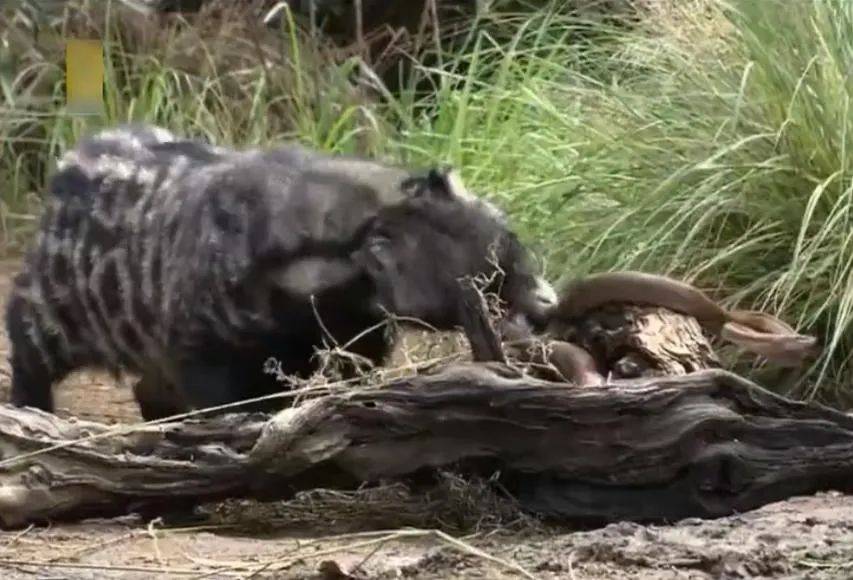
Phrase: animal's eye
(378,254)
(378,246)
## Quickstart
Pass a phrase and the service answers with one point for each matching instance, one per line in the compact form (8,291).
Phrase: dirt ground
(805,537)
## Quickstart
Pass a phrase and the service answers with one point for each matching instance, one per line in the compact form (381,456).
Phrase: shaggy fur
(192,264)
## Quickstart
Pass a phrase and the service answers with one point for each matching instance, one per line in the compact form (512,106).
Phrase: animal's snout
(545,294)
(539,303)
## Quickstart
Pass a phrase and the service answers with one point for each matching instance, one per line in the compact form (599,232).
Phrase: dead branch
(702,444)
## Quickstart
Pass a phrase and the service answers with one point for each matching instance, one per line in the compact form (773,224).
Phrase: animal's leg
(36,359)
(205,383)
(32,382)
(157,397)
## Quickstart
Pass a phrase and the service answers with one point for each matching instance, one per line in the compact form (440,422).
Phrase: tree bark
(704,444)
(631,341)
(621,341)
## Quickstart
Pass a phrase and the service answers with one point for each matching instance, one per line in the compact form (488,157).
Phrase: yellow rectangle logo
(84,76)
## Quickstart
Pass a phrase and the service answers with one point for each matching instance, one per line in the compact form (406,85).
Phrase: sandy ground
(807,537)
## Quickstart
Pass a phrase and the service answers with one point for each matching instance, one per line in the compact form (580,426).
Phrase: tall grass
(227,79)
(709,142)
(741,167)
(716,150)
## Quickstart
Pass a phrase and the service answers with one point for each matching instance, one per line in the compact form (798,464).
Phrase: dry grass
(447,502)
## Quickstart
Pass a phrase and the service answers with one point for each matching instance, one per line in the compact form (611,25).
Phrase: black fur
(191,265)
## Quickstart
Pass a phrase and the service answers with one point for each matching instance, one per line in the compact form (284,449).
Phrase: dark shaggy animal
(191,265)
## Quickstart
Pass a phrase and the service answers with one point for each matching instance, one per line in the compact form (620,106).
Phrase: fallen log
(706,444)
(622,341)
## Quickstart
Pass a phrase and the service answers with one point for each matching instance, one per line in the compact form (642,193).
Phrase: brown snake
(570,361)
(757,332)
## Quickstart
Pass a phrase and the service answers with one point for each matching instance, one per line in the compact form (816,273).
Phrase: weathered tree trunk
(621,341)
(702,444)
(630,341)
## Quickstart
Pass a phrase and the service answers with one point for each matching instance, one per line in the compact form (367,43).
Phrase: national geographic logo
(84,76)
(46,29)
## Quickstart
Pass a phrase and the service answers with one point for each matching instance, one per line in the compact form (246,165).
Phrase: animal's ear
(447,182)
(439,182)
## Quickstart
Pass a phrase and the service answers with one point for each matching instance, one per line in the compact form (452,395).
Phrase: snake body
(754,331)
(570,361)
(757,332)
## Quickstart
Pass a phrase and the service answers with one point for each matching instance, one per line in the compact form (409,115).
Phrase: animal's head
(416,253)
